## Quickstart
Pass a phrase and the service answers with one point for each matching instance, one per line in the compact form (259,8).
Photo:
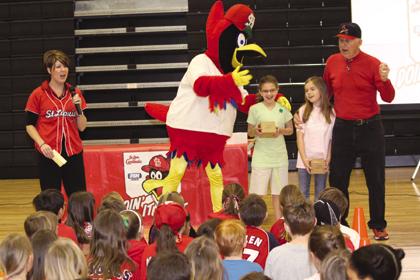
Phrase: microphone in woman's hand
(78,108)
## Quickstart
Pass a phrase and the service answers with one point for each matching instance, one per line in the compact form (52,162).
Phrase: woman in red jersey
(53,122)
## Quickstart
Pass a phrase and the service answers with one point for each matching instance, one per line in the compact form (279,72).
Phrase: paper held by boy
(268,129)
(58,159)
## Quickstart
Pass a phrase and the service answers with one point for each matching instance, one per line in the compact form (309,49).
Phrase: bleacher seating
(125,60)
(125,55)
(27,29)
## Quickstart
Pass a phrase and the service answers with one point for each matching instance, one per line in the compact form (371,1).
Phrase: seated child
(134,233)
(112,200)
(376,262)
(170,220)
(169,266)
(16,256)
(208,228)
(108,257)
(81,212)
(334,266)
(338,198)
(205,259)
(259,243)
(232,196)
(177,198)
(291,260)
(41,241)
(327,213)
(322,241)
(289,195)
(53,200)
(65,260)
(40,220)
(231,237)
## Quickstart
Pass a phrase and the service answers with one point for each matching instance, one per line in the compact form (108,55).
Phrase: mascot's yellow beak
(247,50)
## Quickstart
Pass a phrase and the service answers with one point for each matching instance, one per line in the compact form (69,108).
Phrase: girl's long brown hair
(326,107)
(108,245)
(81,210)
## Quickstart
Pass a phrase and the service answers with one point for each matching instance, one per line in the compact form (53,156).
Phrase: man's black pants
(364,138)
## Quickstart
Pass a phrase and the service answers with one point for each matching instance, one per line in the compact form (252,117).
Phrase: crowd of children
(307,240)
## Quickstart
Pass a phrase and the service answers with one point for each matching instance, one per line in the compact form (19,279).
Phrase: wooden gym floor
(402,210)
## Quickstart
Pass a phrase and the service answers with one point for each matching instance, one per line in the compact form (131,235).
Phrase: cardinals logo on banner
(138,168)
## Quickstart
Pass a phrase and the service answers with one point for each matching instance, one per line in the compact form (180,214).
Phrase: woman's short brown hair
(52,56)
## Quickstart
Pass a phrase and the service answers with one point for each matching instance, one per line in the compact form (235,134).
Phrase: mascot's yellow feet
(171,182)
(216,186)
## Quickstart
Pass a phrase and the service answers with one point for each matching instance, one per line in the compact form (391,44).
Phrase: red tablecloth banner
(124,168)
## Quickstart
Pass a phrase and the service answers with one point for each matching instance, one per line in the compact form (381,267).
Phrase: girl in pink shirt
(314,135)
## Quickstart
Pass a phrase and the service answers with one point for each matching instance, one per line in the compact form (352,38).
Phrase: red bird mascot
(201,117)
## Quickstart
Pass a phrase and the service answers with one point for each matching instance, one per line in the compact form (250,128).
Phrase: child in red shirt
(289,195)
(53,200)
(259,243)
(170,220)
(81,212)
(108,256)
(231,197)
(134,233)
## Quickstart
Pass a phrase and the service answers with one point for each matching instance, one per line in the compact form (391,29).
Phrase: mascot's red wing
(157,111)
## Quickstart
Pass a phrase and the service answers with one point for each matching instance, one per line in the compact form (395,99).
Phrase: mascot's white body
(201,117)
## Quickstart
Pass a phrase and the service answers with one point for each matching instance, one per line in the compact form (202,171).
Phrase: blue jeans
(305,182)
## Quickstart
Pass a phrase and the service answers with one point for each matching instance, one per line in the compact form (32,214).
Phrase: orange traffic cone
(364,241)
(359,223)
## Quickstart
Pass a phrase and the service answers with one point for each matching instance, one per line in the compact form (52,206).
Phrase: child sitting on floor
(259,243)
(231,237)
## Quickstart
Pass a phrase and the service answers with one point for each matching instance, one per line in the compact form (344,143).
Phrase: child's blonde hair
(65,260)
(15,254)
(205,259)
(334,265)
(290,195)
(267,79)
(40,220)
(112,200)
(326,107)
(230,237)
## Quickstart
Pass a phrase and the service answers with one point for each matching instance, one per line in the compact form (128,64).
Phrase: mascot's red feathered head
(227,36)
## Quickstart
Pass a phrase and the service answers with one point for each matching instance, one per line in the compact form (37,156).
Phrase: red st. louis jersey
(57,118)
(257,245)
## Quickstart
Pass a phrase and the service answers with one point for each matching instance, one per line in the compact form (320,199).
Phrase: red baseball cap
(158,162)
(171,214)
(241,16)
(349,30)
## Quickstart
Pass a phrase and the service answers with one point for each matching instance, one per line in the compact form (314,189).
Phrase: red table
(122,168)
